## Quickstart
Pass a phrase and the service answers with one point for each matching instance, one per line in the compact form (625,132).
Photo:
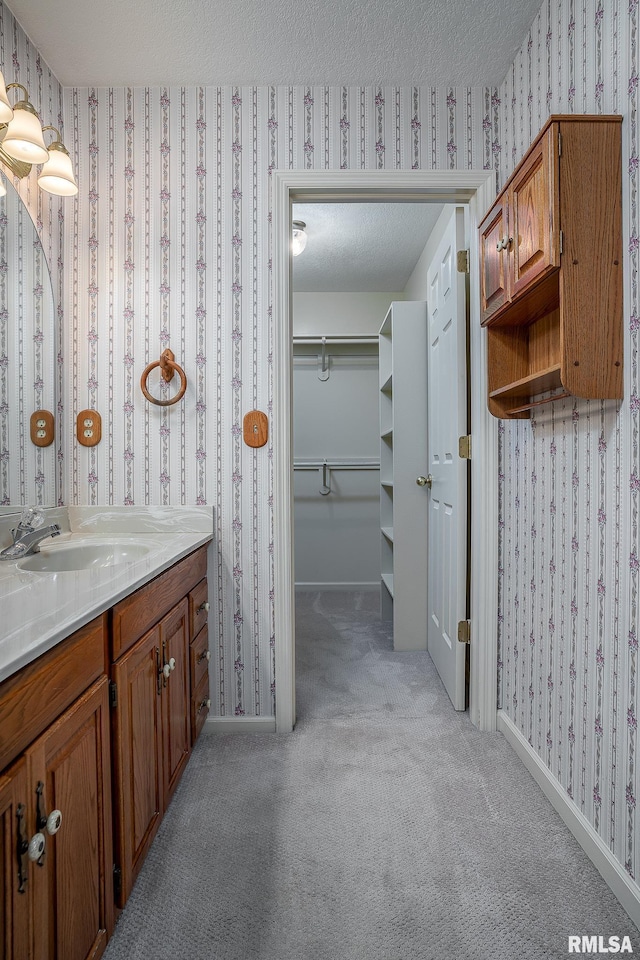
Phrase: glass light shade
(23,139)
(6,110)
(299,237)
(57,174)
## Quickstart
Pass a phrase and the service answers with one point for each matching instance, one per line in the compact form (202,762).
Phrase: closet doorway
(475,189)
(365,517)
(359,258)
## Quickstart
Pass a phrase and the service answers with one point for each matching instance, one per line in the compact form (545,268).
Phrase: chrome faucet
(28,535)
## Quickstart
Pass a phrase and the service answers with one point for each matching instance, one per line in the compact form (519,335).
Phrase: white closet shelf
(387,579)
(387,385)
(387,483)
(388,533)
(387,435)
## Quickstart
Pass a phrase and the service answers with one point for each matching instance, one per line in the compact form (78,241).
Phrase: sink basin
(83,556)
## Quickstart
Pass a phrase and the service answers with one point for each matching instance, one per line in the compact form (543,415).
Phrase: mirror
(27,359)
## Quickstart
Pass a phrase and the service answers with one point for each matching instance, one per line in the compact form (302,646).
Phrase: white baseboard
(612,872)
(366,586)
(240,725)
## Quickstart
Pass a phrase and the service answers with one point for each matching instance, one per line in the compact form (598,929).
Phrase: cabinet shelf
(388,533)
(387,579)
(387,386)
(538,382)
(387,435)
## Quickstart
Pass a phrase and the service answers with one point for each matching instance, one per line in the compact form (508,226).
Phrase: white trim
(611,870)
(322,585)
(240,725)
(484,497)
(477,188)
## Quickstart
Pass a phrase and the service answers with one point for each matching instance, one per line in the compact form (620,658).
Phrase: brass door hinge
(113,694)
(464,631)
(464,447)
(463,261)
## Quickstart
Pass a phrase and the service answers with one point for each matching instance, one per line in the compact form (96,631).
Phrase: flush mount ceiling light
(298,237)
(23,146)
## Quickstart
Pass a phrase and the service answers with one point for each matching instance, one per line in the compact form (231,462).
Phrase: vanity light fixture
(22,145)
(298,237)
(56,175)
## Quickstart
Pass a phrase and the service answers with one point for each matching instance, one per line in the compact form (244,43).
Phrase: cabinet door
(14,867)
(139,799)
(174,634)
(70,771)
(534,215)
(494,247)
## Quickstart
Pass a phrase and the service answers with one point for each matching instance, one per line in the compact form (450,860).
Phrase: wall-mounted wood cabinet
(551,270)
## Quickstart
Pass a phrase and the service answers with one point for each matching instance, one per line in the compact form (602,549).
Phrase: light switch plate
(42,428)
(255,428)
(89,428)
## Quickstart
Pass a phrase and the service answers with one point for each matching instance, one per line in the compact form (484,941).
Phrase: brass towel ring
(168,368)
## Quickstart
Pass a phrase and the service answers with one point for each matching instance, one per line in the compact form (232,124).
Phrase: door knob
(425,481)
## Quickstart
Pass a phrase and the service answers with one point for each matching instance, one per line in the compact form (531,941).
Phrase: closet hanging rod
(337,340)
(337,464)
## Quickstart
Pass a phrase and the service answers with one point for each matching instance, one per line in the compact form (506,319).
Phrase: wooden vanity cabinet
(152,708)
(551,270)
(14,899)
(60,907)
(199,657)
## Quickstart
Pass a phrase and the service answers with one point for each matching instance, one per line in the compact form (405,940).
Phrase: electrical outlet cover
(89,428)
(42,428)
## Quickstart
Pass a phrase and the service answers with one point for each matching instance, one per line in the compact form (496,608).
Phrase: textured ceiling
(361,247)
(191,42)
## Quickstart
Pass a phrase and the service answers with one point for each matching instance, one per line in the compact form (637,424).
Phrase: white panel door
(447,419)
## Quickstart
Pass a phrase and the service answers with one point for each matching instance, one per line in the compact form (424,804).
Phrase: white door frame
(477,189)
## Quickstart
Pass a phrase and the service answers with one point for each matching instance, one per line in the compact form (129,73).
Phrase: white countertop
(38,610)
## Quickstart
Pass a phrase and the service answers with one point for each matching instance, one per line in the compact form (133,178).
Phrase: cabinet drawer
(135,615)
(199,656)
(198,607)
(199,707)
(34,697)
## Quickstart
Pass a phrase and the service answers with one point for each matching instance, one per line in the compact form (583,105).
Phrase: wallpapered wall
(569,522)
(28,352)
(171,245)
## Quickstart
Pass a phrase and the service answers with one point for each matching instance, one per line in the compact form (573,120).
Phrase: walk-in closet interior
(363,272)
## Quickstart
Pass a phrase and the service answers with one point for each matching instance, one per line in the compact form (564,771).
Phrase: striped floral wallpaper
(171,244)
(30,374)
(570,478)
